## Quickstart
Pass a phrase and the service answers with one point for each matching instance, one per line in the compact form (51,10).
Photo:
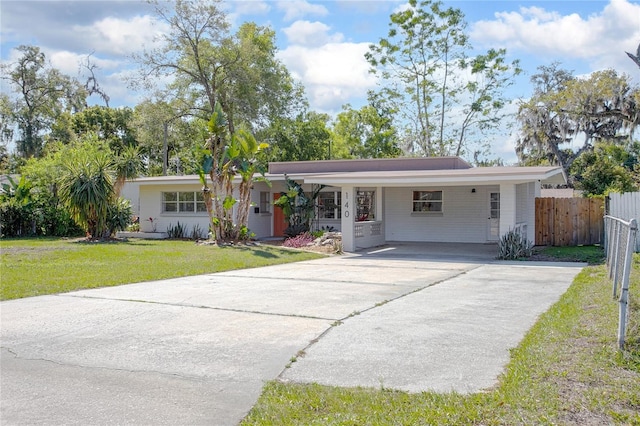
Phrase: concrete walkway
(198,350)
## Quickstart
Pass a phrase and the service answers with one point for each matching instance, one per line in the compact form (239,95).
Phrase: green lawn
(32,267)
(593,255)
(567,371)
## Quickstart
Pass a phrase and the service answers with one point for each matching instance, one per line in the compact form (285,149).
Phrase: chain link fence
(620,243)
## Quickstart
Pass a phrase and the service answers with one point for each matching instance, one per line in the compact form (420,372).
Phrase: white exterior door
(493,230)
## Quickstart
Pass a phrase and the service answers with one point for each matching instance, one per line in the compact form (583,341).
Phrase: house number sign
(345,210)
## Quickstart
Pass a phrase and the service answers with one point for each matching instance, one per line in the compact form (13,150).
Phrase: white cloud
(297,9)
(311,34)
(402,7)
(121,37)
(600,39)
(238,9)
(69,62)
(251,7)
(332,74)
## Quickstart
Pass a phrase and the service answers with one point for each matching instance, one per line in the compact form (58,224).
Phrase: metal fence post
(626,275)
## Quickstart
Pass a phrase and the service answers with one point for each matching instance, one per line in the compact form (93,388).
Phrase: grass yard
(593,255)
(33,267)
(567,370)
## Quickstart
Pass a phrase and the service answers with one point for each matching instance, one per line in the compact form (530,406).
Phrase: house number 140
(346,204)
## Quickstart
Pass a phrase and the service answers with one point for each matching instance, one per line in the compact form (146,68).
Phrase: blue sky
(323,42)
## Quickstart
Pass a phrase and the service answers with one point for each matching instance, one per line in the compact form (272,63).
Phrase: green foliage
(44,93)
(112,125)
(317,234)
(16,208)
(229,155)
(127,165)
(568,116)
(513,246)
(209,64)
(197,233)
(177,232)
(31,207)
(298,207)
(75,183)
(593,255)
(119,215)
(608,168)
(304,138)
(365,133)
(86,187)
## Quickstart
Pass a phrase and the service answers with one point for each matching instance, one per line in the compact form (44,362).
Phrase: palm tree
(87,188)
(229,156)
(127,166)
(241,157)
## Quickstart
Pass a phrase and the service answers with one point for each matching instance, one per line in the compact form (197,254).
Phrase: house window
(365,205)
(183,202)
(329,205)
(427,201)
(265,202)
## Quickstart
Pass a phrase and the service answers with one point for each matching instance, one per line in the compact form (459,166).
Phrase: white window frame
(265,202)
(418,204)
(336,201)
(365,205)
(182,201)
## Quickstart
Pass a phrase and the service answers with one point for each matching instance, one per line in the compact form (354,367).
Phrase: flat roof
(319,174)
(364,165)
(472,176)
(187,179)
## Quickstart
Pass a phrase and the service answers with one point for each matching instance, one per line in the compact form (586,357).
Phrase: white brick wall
(150,197)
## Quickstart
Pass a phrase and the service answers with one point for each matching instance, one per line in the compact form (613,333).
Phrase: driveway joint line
(214,308)
(326,281)
(337,323)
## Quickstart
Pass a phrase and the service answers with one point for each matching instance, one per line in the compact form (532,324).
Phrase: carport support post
(507,207)
(347,221)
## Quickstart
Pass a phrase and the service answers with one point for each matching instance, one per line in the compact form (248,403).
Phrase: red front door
(279,224)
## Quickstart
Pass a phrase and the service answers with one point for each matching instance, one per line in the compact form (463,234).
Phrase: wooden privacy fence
(569,221)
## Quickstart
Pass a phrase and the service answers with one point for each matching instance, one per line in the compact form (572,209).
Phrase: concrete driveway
(198,350)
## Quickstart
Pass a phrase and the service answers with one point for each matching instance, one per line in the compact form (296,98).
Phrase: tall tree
(426,72)
(566,116)
(234,79)
(43,93)
(304,138)
(113,125)
(165,127)
(6,131)
(364,133)
(239,158)
(209,65)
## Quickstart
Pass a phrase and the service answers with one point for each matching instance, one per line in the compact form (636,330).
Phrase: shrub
(513,245)
(177,232)
(197,233)
(118,215)
(300,240)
